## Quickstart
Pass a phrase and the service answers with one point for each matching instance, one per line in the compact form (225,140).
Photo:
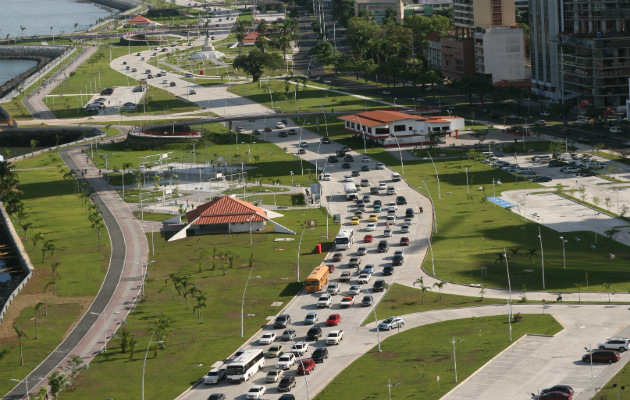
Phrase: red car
(331,268)
(404,241)
(268,129)
(554,396)
(368,239)
(306,366)
(333,320)
(609,356)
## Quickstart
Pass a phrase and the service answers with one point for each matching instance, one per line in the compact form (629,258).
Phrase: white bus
(344,239)
(245,365)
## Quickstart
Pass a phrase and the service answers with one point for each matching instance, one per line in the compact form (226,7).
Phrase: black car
(217,396)
(367,300)
(557,163)
(400,200)
(348,158)
(286,383)
(107,92)
(345,165)
(325,140)
(558,388)
(586,172)
(282,321)
(379,285)
(340,153)
(365,168)
(409,213)
(337,257)
(377,202)
(383,246)
(282,134)
(398,260)
(542,179)
(287,396)
(388,270)
(355,173)
(314,333)
(346,148)
(255,132)
(320,354)
(333,159)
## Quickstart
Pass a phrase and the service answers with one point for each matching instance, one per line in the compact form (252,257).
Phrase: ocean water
(9,69)
(41,17)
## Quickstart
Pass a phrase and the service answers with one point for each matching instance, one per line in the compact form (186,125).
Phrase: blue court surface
(501,202)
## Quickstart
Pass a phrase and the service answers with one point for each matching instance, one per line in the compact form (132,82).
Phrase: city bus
(317,279)
(245,365)
(344,239)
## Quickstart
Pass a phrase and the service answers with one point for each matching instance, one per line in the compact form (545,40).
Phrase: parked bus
(344,239)
(245,365)
(317,279)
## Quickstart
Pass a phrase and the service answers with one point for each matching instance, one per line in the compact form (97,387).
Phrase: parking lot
(120,96)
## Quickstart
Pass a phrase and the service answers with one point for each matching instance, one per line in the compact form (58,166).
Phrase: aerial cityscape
(355,199)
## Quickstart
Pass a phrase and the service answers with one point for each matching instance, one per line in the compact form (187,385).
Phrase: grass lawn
(309,99)
(416,357)
(191,341)
(401,300)
(272,165)
(613,157)
(58,214)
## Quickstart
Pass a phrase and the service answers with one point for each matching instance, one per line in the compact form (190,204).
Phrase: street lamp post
(507,267)
(564,261)
(243,301)
(390,386)
(144,364)
(402,165)
(438,177)
(596,214)
(432,207)
(454,356)
(378,331)
(298,253)
(542,258)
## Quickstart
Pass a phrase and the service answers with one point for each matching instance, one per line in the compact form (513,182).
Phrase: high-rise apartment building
(580,50)
(469,14)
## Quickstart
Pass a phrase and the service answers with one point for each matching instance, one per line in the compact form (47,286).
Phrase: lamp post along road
(542,258)
(144,364)
(454,356)
(507,267)
(564,260)
(243,301)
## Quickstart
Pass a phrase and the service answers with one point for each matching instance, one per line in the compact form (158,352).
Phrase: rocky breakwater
(42,54)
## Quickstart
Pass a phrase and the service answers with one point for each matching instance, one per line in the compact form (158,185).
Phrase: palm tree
(34,143)
(25,226)
(201,302)
(45,289)
(54,267)
(47,246)
(37,307)
(53,34)
(23,28)
(240,34)
(98,224)
(439,285)
(261,43)
(20,333)
(423,288)
(75,25)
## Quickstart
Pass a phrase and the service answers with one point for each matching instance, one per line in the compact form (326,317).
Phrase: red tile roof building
(392,128)
(139,20)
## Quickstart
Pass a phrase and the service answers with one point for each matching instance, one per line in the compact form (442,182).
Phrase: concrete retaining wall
(117,4)
(49,57)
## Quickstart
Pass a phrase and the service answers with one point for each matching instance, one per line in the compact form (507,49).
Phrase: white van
(391,190)
(396,177)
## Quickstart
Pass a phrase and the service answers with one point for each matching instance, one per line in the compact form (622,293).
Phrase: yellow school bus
(317,279)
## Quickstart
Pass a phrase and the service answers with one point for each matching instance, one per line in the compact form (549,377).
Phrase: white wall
(503,53)
(240,227)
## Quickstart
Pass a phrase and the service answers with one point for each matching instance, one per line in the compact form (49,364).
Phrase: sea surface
(42,17)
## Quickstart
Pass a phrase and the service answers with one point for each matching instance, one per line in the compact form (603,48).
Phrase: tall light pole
(542,257)
(430,245)
(144,364)
(454,356)
(390,386)
(432,207)
(298,253)
(243,301)
(507,267)
(564,260)
(596,214)
(402,165)
(438,177)
(378,331)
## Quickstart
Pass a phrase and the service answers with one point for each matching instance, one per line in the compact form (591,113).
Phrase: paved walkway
(33,102)
(120,289)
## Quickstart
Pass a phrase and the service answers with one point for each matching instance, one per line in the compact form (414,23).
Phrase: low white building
(393,128)
(500,53)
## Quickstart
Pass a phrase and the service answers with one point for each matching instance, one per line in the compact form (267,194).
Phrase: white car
(619,344)
(299,348)
(326,177)
(404,229)
(215,376)
(366,159)
(327,81)
(371,226)
(354,290)
(364,278)
(285,361)
(325,301)
(334,337)
(380,166)
(274,376)
(280,125)
(382,186)
(349,178)
(333,288)
(391,323)
(267,338)
(387,232)
(256,392)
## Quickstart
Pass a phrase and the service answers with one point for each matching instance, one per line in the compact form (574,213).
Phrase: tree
(261,43)
(57,382)
(482,292)
(23,28)
(47,247)
(98,224)
(34,144)
(201,302)
(255,62)
(325,53)
(439,285)
(73,369)
(607,286)
(20,333)
(54,266)
(37,307)
(240,34)
(133,343)
(124,337)
(25,227)
(562,110)
(610,234)
(423,288)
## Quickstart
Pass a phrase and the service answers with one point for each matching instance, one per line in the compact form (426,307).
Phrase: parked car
(337,257)
(334,337)
(619,344)
(541,179)
(324,301)
(558,388)
(355,262)
(320,354)
(306,366)
(311,318)
(600,356)
(217,396)
(400,200)
(280,125)
(391,323)
(379,285)
(333,288)
(314,333)
(267,338)
(325,140)
(368,238)
(286,383)
(388,270)
(383,246)
(354,290)
(552,396)
(333,320)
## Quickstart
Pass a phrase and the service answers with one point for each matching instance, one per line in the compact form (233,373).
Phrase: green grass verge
(57,213)
(416,357)
(401,300)
(191,341)
(613,157)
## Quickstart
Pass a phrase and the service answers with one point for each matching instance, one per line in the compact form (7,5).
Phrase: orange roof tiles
(139,19)
(379,117)
(224,210)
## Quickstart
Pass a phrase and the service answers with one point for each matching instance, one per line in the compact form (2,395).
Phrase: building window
(410,128)
(382,131)
(399,128)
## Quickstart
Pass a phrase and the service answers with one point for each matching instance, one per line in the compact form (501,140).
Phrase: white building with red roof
(227,215)
(140,21)
(393,128)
